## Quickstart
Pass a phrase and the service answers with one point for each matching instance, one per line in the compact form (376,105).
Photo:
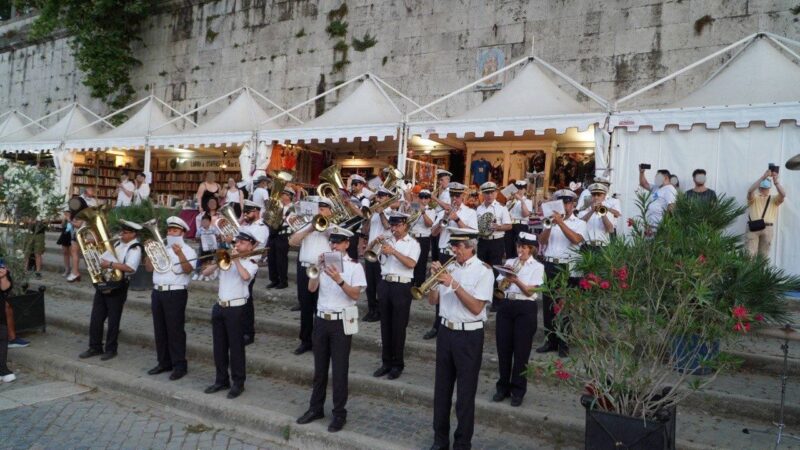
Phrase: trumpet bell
(602,211)
(416,293)
(547,223)
(321,223)
(312,272)
(499,294)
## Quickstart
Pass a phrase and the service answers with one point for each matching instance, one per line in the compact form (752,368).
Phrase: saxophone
(155,248)
(500,290)
(94,241)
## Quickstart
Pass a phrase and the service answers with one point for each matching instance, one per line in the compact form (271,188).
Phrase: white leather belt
(519,296)
(396,279)
(329,315)
(417,236)
(462,326)
(597,243)
(234,302)
(168,287)
(493,238)
(519,221)
(305,264)
(556,260)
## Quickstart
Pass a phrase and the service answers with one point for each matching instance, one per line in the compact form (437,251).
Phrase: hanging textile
(263,158)
(64,161)
(246,163)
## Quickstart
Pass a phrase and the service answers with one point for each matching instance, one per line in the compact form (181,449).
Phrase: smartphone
(2,263)
(774,168)
(645,166)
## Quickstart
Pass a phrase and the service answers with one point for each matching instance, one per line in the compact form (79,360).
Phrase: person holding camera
(6,375)
(763,211)
(663,194)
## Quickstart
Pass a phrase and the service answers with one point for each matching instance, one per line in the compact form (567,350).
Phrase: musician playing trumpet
(421,231)
(440,198)
(168,301)
(599,217)
(516,319)
(376,227)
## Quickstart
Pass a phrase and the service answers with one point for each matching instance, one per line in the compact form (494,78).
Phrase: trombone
(224,259)
(418,292)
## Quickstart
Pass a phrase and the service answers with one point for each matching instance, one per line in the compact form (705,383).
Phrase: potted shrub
(687,282)
(28,195)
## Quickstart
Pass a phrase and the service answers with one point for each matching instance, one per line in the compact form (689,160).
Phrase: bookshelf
(100,170)
(178,178)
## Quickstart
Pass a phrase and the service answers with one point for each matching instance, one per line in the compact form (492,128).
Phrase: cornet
(418,292)
(313,271)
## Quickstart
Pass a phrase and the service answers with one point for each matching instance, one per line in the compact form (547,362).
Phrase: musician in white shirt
(377,226)
(492,246)
(337,291)
(463,293)
(253,224)
(168,301)
(278,258)
(421,231)
(440,201)
(598,228)
(520,213)
(358,200)
(398,256)
(516,320)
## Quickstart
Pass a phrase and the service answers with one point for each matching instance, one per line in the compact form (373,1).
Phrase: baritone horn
(155,249)
(227,224)
(94,241)
(418,292)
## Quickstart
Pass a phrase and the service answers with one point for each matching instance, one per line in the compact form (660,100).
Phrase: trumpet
(601,210)
(547,223)
(374,253)
(313,271)
(418,292)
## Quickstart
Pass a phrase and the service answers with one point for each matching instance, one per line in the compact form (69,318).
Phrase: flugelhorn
(374,253)
(155,249)
(418,292)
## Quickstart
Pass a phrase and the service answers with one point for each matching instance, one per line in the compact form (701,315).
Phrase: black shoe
(563,352)
(282,286)
(499,396)
(516,401)
(336,424)
(235,391)
(177,375)
(439,447)
(249,339)
(395,374)
(89,353)
(302,348)
(310,416)
(272,285)
(381,372)
(430,334)
(158,369)
(372,317)
(547,347)
(108,355)
(295,308)
(216,387)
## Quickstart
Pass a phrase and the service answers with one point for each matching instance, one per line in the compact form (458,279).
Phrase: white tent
(744,117)
(16,126)
(76,119)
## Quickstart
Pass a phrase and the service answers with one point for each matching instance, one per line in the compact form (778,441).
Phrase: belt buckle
(224,303)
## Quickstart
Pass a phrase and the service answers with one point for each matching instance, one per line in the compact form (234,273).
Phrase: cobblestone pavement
(98,419)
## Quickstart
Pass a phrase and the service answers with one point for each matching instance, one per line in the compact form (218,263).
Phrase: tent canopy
(78,121)
(15,126)
(759,83)
(532,101)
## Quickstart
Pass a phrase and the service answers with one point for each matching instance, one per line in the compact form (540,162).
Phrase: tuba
(155,248)
(331,188)
(485,222)
(393,177)
(94,241)
(273,210)
(228,224)
(418,292)
(500,290)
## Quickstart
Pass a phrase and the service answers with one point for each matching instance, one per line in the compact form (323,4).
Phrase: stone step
(550,411)
(267,408)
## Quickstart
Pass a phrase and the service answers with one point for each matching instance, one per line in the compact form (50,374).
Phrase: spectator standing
(65,241)
(208,236)
(231,194)
(763,206)
(663,195)
(700,191)
(142,191)
(125,191)
(6,375)
(36,248)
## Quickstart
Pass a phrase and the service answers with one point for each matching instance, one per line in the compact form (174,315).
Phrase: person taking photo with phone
(763,211)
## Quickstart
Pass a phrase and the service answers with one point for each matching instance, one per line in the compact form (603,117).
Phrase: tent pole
(405,97)
(788,50)
(266,99)
(148,174)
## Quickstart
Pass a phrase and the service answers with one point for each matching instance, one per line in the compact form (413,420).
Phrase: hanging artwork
(490,59)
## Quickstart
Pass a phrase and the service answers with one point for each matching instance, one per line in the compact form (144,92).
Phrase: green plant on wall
(364,43)
(337,29)
(101,34)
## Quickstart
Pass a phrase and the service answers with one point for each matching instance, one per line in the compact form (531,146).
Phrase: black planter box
(142,280)
(29,310)
(612,431)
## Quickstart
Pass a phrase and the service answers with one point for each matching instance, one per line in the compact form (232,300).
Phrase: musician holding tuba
(278,258)
(520,208)
(516,318)
(399,255)
(358,197)
(376,227)
(253,224)
(495,220)
(109,298)
(168,300)
(312,244)
(562,241)
(599,217)
(462,295)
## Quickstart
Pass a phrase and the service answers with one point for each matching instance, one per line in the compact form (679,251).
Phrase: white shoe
(9,378)
(194,277)
(66,273)
(72,277)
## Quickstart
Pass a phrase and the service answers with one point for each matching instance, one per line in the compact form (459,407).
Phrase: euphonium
(155,248)
(500,290)
(94,241)
(273,210)
(392,178)
(228,224)
(331,188)
(418,292)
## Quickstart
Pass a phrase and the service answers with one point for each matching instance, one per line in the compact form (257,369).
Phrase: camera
(645,166)
(774,168)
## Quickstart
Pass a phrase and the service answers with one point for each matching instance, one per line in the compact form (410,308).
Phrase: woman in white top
(232,194)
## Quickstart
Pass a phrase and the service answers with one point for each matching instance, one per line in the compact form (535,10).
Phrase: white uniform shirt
(260,196)
(558,246)
(660,201)
(595,227)
(419,229)
(331,296)
(531,273)
(445,197)
(231,284)
(258,230)
(466,214)
(408,246)
(141,193)
(477,278)
(130,258)
(176,275)
(516,210)
(584,200)
(376,225)
(501,216)
(124,199)
(313,245)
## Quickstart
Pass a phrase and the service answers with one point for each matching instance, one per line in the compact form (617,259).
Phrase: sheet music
(509,191)
(208,241)
(333,259)
(306,208)
(548,208)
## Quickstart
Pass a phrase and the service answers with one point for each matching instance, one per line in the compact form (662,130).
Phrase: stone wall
(198,50)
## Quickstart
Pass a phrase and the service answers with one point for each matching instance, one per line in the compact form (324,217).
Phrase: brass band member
(516,320)
(460,215)
(599,228)
(561,245)
(492,246)
(463,294)
(278,258)
(168,302)
(312,243)
(441,199)
(226,317)
(337,291)
(520,216)
(254,225)
(358,196)
(421,231)
(109,300)
(399,254)
(377,226)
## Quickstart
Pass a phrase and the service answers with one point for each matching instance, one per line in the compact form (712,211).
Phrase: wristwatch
(341,283)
